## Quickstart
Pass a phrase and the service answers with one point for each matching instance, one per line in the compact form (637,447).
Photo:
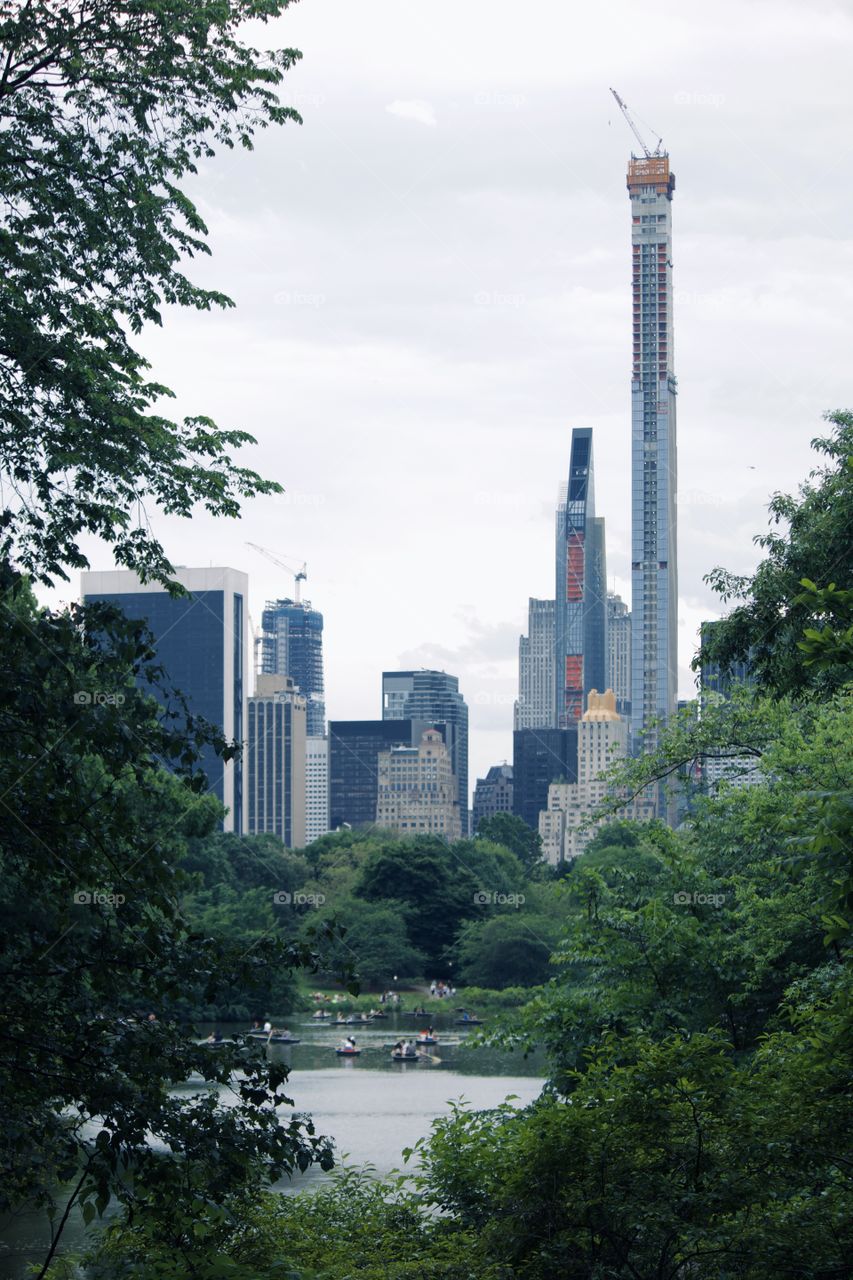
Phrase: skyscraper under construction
(654,574)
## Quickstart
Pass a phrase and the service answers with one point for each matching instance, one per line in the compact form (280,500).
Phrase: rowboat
(271,1037)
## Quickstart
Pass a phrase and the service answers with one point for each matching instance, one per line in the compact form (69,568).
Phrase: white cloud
(412,109)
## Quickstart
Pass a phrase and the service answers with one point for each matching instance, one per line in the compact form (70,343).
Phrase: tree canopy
(106,107)
(809,542)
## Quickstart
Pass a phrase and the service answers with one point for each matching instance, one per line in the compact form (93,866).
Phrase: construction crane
(299,575)
(256,647)
(636,132)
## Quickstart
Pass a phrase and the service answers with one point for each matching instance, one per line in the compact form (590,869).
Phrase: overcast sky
(432,278)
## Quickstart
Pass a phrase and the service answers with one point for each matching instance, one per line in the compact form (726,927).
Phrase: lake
(372,1106)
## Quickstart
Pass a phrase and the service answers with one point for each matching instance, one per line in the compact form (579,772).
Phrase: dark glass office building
(580,611)
(540,757)
(201,644)
(354,747)
(432,699)
(291,645)
(493,794)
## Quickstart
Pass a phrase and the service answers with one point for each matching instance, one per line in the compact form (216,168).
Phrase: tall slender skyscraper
(654,577)
(580,613)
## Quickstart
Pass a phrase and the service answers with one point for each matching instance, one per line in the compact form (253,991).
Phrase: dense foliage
(809,539)
(106,106)
(98,957)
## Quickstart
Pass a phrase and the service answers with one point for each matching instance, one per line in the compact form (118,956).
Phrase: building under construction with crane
(654,570)
(290,643)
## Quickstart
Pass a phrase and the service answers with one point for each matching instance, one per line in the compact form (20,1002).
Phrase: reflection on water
(371,1105)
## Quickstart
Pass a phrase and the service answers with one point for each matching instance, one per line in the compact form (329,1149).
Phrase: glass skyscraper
(580,610)
(432,699)
(354,747)
(540,757)
(291,644)
(654,575)
(201,642)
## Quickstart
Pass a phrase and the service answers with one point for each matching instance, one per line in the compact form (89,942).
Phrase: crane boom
(636,132)
(299,576)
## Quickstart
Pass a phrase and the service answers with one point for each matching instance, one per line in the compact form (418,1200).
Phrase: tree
(93,829)
(106,106)
(677,1161)
(514,834)
(507,951)
(436,891)
(811,545)
(373,942)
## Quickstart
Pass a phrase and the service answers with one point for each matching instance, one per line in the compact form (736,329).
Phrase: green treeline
(378,907)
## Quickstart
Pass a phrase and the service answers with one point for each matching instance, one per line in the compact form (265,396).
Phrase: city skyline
(441,311)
